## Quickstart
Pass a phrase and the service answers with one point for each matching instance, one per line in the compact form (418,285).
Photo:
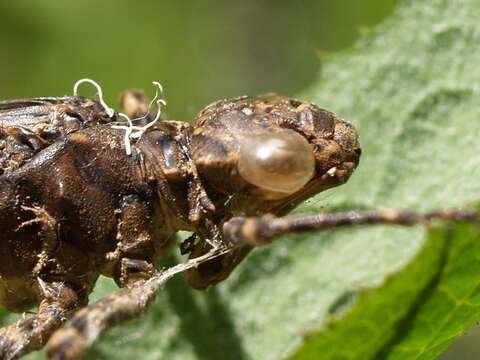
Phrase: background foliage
(411,89)
(201,51)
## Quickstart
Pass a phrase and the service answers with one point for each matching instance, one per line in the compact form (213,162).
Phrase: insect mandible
(85,191)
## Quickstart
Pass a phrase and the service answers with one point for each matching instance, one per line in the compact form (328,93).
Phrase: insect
(85,190)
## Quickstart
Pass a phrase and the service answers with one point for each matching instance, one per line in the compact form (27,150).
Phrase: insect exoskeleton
(265,155)
(272,146)
(85,190)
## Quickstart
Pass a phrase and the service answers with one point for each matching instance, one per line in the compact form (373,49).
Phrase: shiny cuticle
(280,161)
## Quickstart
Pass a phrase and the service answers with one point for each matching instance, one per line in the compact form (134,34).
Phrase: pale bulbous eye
(281,162)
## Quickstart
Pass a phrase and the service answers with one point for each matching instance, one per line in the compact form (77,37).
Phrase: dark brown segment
(29,125)
(126,304)
(58,302)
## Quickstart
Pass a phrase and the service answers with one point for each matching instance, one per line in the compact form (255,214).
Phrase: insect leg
(264,229)
(89,323)
(213,271)
(132,270)
(245,233)
(32,333)
(126,304)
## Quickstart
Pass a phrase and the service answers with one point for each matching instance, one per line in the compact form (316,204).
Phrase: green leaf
(396,320)
(450,304)
(372,323)
(411,88)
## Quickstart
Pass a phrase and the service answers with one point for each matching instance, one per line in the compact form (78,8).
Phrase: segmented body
(74,205)
(30,125)
(80,197)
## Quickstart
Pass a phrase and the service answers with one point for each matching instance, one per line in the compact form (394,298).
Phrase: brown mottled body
(74,205)
(85,183)
(58,301)
(30,125)
(216,150)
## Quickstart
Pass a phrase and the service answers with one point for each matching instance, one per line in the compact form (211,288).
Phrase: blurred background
(200,51)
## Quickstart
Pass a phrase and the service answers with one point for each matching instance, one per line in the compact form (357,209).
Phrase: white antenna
(108,110)
(140,130)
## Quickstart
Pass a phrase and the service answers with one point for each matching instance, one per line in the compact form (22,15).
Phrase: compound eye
(279,161)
